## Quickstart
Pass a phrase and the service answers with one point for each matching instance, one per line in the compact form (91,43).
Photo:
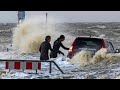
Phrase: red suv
(91,44)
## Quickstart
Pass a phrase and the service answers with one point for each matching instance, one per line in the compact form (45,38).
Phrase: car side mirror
(117,51)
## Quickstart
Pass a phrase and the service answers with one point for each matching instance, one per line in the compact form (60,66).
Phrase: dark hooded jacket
(44,48)
(56,46)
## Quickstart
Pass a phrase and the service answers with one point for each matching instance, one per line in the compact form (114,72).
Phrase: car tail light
(103,44)
(74,42)
(70,51)
(71,48)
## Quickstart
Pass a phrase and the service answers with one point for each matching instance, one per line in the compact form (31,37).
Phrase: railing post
(58,67)
(36,71)
(50,67)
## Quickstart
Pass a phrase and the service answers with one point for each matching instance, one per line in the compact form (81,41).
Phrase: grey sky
(66,16)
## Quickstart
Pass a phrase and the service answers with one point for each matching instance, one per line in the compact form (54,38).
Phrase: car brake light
(103,44)
(73,42)
(71,48)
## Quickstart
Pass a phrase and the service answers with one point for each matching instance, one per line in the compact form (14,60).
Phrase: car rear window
(88,43)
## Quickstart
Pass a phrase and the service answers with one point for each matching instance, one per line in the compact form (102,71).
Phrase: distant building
(21,16)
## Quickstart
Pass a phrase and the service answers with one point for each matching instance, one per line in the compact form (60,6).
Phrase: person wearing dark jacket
(56,46)
(44,48)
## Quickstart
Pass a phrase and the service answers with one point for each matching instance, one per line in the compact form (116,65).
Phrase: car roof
(91,37)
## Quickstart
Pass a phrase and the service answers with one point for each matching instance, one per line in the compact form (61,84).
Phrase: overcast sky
(66,16)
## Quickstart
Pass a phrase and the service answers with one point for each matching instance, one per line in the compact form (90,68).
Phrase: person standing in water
(44,48)
(56,46)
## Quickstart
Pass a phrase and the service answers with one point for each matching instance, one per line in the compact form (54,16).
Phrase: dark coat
(44,48)
(56,46)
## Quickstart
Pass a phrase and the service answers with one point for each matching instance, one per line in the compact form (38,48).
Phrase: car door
(110,47)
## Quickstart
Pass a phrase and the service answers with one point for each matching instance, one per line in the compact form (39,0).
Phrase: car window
(88,43)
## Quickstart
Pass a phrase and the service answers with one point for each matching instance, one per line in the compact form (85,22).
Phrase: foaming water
(29,34)
(86,58)
(82,58)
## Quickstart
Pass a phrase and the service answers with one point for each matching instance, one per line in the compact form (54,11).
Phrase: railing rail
(39,61)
